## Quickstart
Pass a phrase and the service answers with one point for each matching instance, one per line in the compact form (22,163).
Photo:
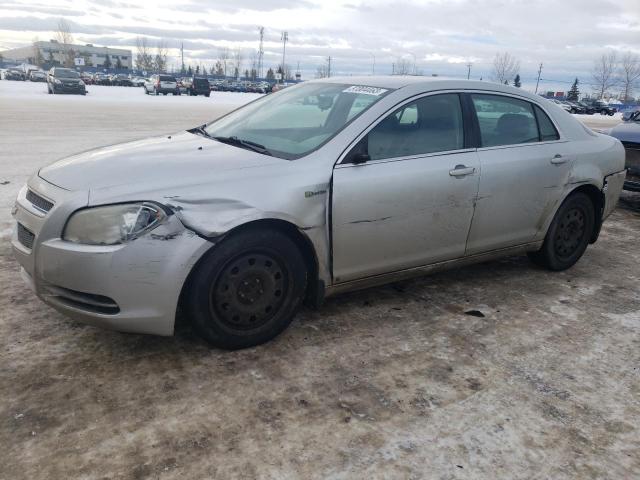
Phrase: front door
(406,197)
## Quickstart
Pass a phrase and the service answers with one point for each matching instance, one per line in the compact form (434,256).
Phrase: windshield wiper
(247,144)
(200,130)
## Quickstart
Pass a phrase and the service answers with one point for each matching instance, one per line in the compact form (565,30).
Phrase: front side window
(428,125)
(297,120)
(504,120)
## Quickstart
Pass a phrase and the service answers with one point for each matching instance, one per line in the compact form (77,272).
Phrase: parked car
(121,80)
(199,86)
(87,78)
(38,76)
(326,187)
(603,108)
(138,81)
(101,79)
(13,74)
(628,132)
(566,107)
(65,80)
(588,109)
(280,86)
(161,84)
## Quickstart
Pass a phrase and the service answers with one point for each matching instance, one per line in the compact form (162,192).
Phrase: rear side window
(504,120)
(547,129)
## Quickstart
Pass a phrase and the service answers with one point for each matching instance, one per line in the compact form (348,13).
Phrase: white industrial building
(91,56)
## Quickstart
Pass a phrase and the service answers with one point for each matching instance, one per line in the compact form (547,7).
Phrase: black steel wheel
(568,235)
(247,289)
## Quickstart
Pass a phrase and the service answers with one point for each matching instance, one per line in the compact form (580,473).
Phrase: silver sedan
(324,187)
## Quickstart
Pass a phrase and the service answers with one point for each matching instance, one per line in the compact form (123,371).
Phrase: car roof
(427,84)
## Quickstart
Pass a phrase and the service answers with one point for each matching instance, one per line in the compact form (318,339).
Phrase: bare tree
(160,58)
(402,66)
(65,39)
(604,73)
(223,55)
(144,58)
(237,62)
(38,58)
(505,67)
(322,71)
(629,75)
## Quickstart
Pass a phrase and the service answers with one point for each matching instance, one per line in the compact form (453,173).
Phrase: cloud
(443,36)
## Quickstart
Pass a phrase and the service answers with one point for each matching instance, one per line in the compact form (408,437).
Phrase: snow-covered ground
(37,128)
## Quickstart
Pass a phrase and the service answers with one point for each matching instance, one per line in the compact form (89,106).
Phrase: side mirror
(358,158)
(360,153)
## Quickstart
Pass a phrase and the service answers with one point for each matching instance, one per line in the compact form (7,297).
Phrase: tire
(568,235)
(146,92)
(207,95)
(247,289)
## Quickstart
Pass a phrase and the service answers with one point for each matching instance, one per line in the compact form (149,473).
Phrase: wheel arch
(597,198)
(315,286)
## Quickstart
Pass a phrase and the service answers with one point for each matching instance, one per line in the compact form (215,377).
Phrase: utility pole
(469,70)
(284,38)
(182,56)
(260,51)
(538,81)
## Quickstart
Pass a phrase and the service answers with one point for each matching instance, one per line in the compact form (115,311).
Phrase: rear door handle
(558,159)
(462,171)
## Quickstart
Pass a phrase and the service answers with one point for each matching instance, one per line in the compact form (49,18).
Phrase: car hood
(168,160)
(627,132)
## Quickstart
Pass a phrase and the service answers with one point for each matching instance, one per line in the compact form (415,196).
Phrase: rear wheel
(247,290)
(568,235)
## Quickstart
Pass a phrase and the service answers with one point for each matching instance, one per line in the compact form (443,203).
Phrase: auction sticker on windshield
(365,90)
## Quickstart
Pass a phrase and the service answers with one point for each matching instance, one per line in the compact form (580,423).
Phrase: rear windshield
(66,74)
(200,81)
(167,78)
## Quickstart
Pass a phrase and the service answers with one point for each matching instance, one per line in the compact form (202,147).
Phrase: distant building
(91,56)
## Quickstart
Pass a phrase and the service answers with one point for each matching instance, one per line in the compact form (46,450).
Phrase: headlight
(112,224)
(58,81)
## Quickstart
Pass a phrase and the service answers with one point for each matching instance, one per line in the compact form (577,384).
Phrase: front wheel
(568,235)
(247,289)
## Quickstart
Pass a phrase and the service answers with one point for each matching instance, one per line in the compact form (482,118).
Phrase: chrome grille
(25,236)
(39,202)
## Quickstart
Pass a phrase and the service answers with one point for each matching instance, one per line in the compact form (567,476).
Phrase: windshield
(66,74)
(297,120)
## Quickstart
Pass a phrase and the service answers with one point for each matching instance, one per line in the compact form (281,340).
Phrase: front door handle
(558,159)
(462,171)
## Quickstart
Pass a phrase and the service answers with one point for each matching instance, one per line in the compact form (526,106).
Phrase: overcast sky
(443,35)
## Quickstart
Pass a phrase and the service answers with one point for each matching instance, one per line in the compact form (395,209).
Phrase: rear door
(411,202)
(525,166)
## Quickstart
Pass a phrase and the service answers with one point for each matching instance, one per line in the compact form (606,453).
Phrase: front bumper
(133,287)
(611,189)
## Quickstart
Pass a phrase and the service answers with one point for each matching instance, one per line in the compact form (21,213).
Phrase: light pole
(468,70)
(284,38)
(414,61)
(538,81)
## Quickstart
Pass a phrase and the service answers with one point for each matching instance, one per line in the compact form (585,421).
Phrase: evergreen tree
(270,74)
(246,74)
(119,63)
(506,82)
(189,71)
(516,81)
(197,69)
(107,61)
(574,92)
(219,69)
